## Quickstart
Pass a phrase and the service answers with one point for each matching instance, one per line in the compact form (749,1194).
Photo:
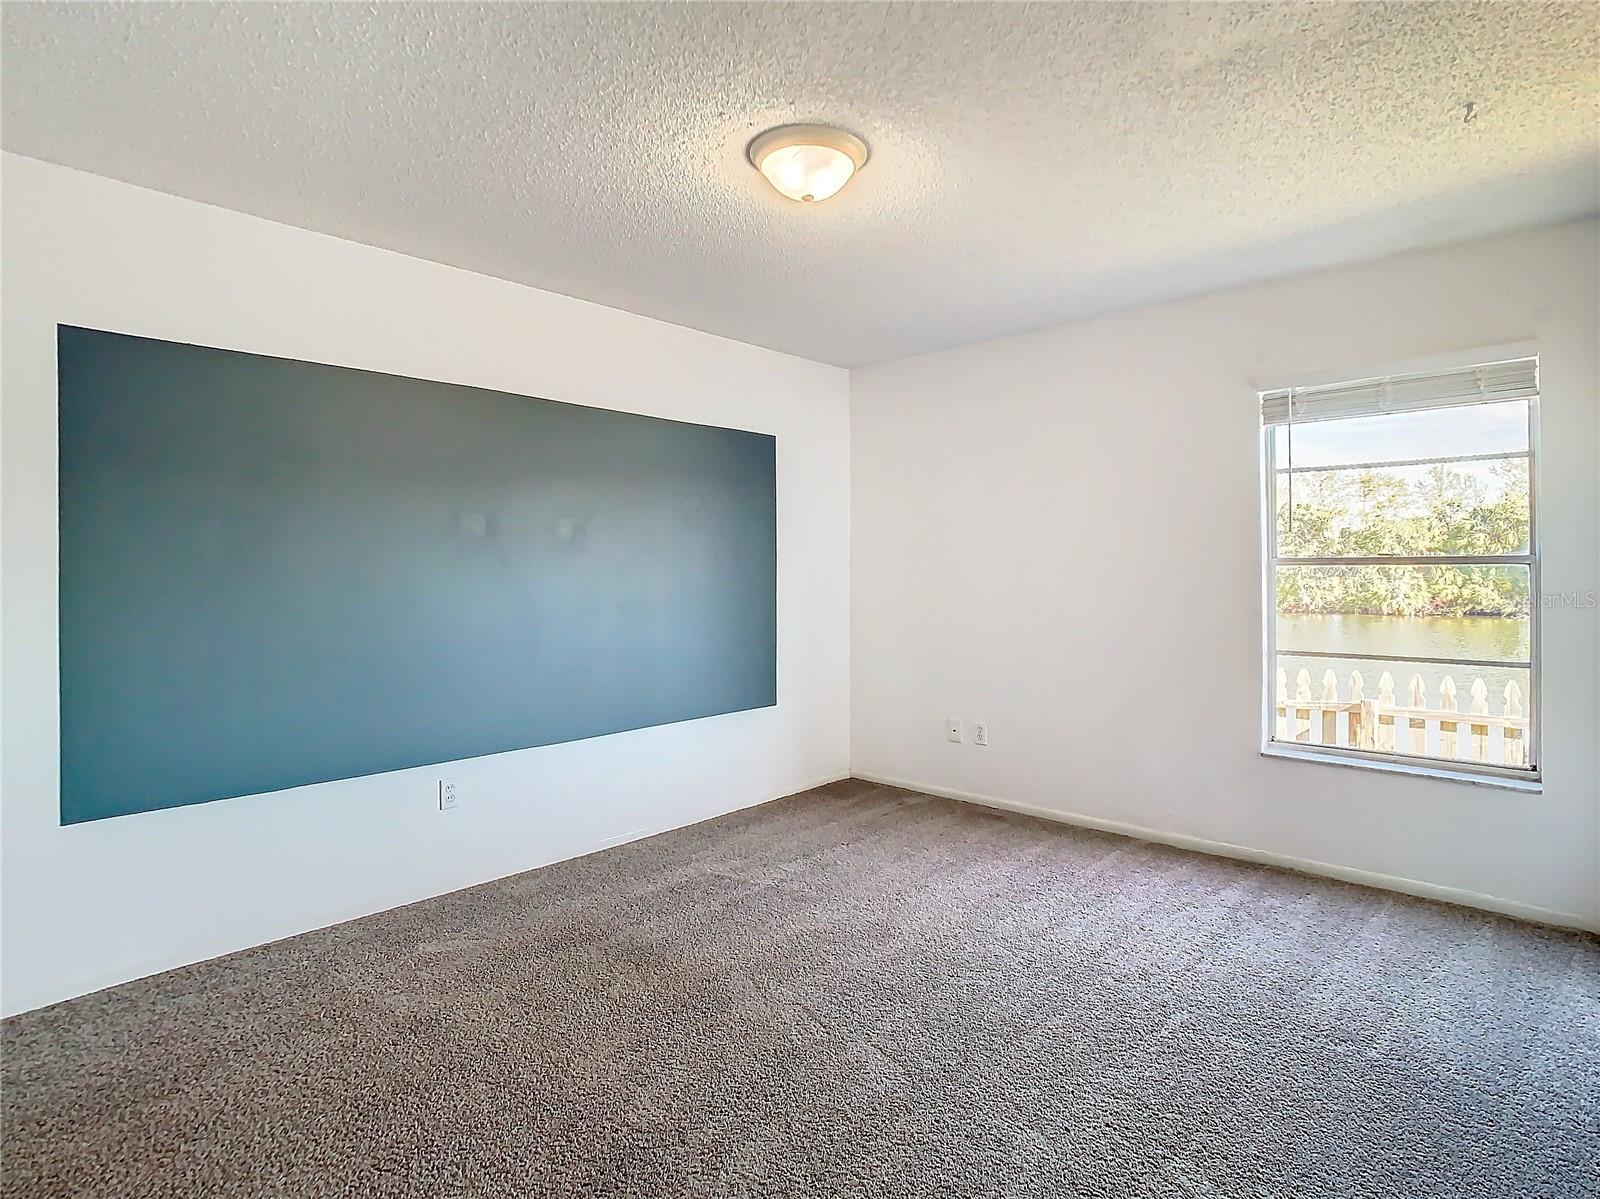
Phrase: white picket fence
(1381,723)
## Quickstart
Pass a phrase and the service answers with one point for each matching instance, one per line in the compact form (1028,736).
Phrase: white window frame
(1528,777)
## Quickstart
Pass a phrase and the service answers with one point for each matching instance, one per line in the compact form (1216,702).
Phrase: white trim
(1397,463)
(1268,522)
(1535,750)
(126,972)
(1342,560)
(1424,364)
(1392,395)
(1507,778)
(640,834)
(1336,655)
(1272,562)
(1244,853)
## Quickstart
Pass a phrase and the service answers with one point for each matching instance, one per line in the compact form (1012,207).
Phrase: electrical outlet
(980,732)
(448,799)
(952,729)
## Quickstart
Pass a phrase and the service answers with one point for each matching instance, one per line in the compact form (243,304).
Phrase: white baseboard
(836,777)
(1244,853)
(639,834)
(25,1000)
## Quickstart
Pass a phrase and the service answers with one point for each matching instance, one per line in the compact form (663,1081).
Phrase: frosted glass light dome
(808,162)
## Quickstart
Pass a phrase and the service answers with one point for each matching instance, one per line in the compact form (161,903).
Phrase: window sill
(1529,785)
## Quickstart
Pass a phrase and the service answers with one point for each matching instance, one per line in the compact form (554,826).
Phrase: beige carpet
(851,992)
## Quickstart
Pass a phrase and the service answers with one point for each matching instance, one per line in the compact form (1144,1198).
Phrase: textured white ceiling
(1030,163)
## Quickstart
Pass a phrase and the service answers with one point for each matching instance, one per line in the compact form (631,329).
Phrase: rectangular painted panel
(276,573)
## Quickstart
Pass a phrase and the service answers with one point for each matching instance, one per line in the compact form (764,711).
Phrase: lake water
(1489,638)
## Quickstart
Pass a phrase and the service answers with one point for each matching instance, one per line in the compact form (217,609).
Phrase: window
(1402,570)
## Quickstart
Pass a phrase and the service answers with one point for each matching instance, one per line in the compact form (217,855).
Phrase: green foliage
(1449,509)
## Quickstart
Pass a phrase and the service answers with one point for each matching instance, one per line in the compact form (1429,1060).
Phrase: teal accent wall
(275,572)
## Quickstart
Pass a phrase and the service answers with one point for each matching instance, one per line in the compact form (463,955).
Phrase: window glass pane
(1347,668)
(1435,433)
(1444,508)
(1477,612)
(1407,710)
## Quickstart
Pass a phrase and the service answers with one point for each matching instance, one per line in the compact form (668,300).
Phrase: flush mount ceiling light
(808,162)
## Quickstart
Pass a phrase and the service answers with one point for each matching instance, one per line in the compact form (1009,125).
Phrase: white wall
(98,903)
(1024,512)
(1014,537)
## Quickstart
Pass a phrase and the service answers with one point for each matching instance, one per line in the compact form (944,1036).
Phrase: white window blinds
(1516,379)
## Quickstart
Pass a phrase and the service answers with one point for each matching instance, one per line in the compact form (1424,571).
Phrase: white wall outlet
(980,732)
(448,798)
(952,729)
